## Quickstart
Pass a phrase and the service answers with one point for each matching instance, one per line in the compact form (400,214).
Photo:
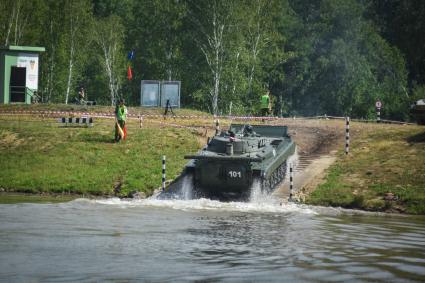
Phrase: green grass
(11,198)
(41,156)
(96,109)
(383,159)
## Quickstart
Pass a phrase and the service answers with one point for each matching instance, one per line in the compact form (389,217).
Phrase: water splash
(294,160)
(186,191)
(258,195)
(182,197)
(181,189)
(208,205)
(258,206)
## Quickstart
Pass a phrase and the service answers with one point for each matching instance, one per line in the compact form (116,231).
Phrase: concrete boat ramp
(309,172)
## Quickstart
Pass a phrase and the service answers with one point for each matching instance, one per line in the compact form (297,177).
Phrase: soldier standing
(121,117)
(265,104)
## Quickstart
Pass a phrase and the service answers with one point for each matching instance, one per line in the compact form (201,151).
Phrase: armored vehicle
(231,161)
(418,110)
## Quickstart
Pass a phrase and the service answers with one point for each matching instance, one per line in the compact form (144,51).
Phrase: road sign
(378,104)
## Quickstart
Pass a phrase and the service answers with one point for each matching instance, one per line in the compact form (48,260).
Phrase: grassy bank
(40,156)
(385,171)
(10,198)
(94,109)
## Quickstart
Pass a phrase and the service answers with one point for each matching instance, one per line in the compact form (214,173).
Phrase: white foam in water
(207,204)
(258,196)
(293,159)
(259,201)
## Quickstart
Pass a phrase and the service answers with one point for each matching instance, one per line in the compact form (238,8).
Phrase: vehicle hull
(228,176)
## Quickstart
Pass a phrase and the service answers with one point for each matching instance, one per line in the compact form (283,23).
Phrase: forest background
(334,57)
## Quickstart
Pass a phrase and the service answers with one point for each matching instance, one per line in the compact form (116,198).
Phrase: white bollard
(163,172)
(291,183)
(347,134)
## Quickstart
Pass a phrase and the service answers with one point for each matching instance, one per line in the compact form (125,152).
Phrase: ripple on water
(183,240)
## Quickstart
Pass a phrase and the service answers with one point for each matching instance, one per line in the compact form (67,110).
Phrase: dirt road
(317,142)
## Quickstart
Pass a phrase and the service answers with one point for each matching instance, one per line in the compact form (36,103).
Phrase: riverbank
(94,109)
(384,171)
(11,198)
(39,155)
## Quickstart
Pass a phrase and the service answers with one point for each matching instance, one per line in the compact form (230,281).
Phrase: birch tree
(109,37)
(78,15)
(15,18)
(213,21)
(170,21)
(256,38)
(52,74)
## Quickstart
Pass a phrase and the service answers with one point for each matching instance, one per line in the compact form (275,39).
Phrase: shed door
(17,84)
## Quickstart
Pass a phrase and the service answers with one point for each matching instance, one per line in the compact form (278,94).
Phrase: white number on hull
(235,174)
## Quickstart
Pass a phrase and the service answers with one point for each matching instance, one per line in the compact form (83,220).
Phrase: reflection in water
(190,240)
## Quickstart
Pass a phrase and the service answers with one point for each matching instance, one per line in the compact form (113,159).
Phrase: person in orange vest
(121,117)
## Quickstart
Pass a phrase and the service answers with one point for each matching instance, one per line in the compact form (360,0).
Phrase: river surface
(202,240)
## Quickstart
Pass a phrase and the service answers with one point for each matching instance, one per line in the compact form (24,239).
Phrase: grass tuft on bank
(384,171)
(41,156)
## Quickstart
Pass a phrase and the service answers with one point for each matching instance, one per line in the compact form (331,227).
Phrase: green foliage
(418,93)
(334,57)
(344,64)
(108,36)
(402,24)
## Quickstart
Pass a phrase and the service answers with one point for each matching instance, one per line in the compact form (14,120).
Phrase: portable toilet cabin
(19,73)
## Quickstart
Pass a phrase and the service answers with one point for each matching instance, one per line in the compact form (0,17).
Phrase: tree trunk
(169,68)
(16,21)
(109,72)
(215,93)
(71,64)
(213,50)
(12,18)
(72,31)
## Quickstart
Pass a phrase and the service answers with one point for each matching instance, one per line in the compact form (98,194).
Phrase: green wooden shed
(19,73)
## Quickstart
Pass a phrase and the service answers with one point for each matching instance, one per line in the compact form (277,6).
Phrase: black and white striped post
(163,172)
(291,182)
(347,134)
(217,127)
(378,105)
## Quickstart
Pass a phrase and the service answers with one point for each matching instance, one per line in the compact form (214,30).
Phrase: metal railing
(24,90)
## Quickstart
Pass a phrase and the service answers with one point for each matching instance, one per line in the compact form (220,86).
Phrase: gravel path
(317,143)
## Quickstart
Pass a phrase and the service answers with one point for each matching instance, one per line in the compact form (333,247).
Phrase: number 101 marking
(235,174)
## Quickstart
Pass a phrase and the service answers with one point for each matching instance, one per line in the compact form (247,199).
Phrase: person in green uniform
(121,116)
(265,104)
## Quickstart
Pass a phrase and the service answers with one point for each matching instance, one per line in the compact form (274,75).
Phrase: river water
(203,240)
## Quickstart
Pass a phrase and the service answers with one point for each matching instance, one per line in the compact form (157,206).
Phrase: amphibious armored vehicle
(231,161)
(418,110)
